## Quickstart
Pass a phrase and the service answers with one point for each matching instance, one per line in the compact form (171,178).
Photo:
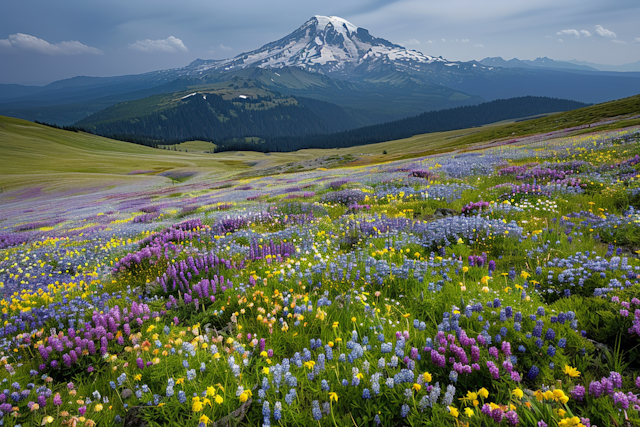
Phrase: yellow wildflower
(483,392)
(572,372)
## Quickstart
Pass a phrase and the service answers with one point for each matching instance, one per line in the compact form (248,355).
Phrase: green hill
(217,113)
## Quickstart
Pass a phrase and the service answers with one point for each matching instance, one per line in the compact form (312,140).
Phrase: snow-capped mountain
(325,44)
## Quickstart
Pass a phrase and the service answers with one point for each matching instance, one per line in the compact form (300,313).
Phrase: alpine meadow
(330,230)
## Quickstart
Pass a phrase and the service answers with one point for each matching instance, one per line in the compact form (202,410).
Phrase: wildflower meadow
(489,287)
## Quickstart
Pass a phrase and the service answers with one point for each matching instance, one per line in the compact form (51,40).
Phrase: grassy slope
(582,116)
(35,154)
(39,155)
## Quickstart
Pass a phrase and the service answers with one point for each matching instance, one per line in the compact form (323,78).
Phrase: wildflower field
(489,287)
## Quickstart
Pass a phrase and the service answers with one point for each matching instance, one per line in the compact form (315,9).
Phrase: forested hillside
(210,117)
(433,121)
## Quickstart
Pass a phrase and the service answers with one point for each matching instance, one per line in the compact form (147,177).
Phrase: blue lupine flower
(277,411)
(191,374)
(562,342)
(404,411)
(533,372)
(550,335)
(266,411)
(366,394)
(315,410)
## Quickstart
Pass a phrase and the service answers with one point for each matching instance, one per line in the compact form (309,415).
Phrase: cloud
(478,45)
(561,41)
(169,45)
(618,42)
(429,42)
(30,43)
(223,47)
(637,40)
(603,32)
(412,42)
(465,40)
(573,32)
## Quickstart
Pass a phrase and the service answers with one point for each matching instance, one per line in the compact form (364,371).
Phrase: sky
(42,41)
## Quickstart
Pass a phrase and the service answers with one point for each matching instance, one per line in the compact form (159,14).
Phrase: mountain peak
(335,21)
(324,44)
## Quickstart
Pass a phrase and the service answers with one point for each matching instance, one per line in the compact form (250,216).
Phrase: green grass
(554,122)
(36,155)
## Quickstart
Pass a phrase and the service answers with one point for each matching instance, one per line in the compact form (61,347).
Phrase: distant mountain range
(328,59)
(561,65)
(536,63)
(631,67)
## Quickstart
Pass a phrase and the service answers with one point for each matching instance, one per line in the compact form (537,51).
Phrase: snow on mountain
(326,44)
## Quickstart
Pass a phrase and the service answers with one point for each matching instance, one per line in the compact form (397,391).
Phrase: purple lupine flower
(595,389)
(512,417)
(497,415)
(506,348)
(140,363)
(616,379)
(578,392)
(622,399)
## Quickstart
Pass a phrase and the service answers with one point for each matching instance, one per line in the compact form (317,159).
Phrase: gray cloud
(26,42)
(169,45)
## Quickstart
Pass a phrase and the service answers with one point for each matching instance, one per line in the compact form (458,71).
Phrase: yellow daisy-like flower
(427,377)
(333,397)
(219,399)
(572,372)
(469,412)
(204,420)
(517,393)
(416,387)
(453,411)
